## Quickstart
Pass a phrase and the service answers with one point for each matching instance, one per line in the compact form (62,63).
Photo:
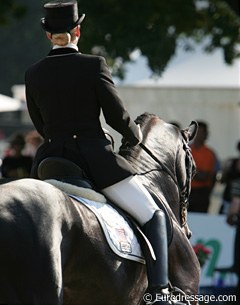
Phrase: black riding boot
(157,270)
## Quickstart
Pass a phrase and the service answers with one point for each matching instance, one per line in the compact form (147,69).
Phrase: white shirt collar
(70,45)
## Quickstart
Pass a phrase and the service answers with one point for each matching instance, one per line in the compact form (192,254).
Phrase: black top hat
(61,16)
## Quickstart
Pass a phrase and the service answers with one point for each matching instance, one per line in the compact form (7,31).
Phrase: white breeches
(131,196)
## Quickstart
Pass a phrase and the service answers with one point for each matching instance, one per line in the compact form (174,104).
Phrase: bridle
(184,192)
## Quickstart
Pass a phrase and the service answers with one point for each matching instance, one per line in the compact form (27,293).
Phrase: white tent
(9,104)
(195,86)
(186,69)
(197,69)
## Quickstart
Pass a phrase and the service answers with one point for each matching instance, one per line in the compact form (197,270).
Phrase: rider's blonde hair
(62,39)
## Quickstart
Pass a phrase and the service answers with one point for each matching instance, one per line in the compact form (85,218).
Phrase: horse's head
(164,162)
(185,170)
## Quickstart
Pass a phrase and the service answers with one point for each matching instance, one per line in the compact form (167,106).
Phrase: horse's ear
(190,132)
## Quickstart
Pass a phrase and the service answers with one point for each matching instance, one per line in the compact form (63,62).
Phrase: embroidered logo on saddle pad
(118,232)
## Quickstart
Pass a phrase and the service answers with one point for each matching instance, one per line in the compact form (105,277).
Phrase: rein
(165,168)
(183,193)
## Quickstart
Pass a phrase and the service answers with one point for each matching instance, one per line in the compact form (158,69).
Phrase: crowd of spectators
(17,158)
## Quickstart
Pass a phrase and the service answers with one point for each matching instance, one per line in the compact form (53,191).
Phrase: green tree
(157,27)
(9,9)
(23,43)
(116,28)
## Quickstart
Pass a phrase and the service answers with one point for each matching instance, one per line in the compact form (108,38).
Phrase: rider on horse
(65,93)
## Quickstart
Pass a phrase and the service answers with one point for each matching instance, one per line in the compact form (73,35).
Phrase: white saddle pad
(118,233)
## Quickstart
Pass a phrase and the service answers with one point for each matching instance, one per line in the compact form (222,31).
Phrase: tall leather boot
(157,270)
(130,195)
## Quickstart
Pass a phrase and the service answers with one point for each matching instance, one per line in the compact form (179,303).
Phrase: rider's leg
(130,195)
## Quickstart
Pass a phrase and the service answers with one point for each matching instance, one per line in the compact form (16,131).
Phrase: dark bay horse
(53,250)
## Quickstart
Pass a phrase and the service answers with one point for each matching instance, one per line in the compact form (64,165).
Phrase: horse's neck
(153,176)
(156,164)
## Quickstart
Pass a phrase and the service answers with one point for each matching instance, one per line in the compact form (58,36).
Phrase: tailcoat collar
(62,52)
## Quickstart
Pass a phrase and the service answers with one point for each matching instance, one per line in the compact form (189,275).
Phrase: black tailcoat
(66,92)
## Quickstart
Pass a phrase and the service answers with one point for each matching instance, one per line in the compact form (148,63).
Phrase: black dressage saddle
(63,170)
(67,171)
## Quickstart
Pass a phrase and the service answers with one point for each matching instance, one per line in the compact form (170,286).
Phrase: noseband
(184,192)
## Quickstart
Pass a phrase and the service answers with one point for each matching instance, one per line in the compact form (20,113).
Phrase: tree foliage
(116,28)
(10,9)
(156,28)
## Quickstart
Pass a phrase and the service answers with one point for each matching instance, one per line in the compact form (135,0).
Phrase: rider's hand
(140,135)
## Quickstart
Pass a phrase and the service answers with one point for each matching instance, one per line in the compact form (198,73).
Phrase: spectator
(15,164)
(233,218)
(230,172)
(207,165)
(33,141)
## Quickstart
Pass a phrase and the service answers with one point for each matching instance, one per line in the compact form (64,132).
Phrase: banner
(214,233)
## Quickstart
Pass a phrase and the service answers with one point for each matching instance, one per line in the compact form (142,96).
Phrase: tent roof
(187,69)
(9,104)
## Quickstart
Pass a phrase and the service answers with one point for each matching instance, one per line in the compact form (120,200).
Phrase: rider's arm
(113,109)
(33,109)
